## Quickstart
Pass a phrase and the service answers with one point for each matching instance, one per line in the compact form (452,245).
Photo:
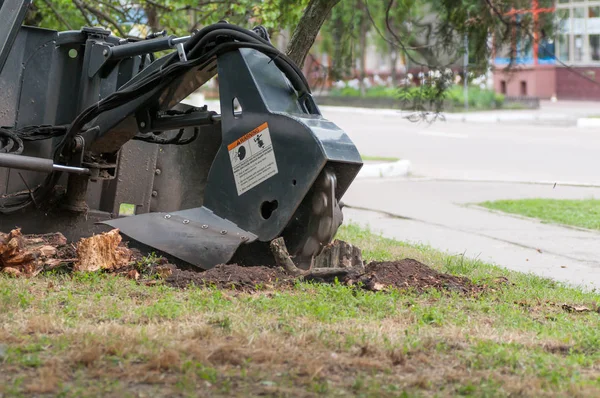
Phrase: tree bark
(153,20)
(364,28)
(308,28)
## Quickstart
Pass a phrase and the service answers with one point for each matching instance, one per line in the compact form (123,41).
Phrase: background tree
(428,34)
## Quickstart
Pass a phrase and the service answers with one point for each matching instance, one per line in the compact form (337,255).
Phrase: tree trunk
(393,65)
(308,28)
(153,20)
(362,51)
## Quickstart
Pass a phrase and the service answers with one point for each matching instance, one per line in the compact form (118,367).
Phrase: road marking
(441,134)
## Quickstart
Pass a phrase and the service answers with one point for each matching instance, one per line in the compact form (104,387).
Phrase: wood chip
(28,254)
(12,271)
(102,252)
(164,272)
(133,274)
(576,308)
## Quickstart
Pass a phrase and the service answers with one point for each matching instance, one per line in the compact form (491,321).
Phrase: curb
(401,168)
(588,122)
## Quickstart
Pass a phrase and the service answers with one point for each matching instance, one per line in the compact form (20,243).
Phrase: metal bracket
(181,52)
(98,58)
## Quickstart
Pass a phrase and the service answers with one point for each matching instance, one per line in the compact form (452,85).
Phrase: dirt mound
(404,274)
(410,274)
(230,276)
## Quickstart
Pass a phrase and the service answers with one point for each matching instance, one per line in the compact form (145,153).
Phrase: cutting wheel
(319,216)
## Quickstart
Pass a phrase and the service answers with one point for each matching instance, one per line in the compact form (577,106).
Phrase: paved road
(476,151)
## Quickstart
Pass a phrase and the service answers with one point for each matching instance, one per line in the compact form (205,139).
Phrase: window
(523,88)
(593,21)
(503,87)
(578,20)
(563,48)
(578,54)
(578,34)
(595,47)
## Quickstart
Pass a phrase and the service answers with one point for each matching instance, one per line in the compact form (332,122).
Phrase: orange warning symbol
(246,137)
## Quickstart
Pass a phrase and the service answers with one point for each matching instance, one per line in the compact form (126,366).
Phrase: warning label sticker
(252,158)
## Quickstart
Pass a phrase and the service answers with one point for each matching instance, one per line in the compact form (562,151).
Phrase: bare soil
(230,276)
(412,274)
(404,274)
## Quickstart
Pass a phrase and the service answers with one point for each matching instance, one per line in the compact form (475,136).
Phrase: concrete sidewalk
(436,213)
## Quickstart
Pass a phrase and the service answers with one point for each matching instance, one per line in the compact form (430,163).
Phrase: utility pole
(466,71)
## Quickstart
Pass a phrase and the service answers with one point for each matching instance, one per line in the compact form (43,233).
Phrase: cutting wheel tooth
(328,181)
(310,247)
(319,203)
(325,229)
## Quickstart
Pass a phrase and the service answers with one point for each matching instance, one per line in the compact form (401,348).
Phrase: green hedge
(454,97)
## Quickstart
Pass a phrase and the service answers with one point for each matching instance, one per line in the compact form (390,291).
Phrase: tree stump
(27,255)
(339,254)
(284,260)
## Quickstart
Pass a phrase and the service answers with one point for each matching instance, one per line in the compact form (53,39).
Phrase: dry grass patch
(100,335)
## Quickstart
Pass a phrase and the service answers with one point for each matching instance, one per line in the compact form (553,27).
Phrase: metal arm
(12,15)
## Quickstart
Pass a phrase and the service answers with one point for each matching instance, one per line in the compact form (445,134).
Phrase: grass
(102,335)
(583,213)
(379,158)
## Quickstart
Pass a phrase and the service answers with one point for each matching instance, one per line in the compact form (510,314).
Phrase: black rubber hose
(249,37)
(281,60)
(10,142)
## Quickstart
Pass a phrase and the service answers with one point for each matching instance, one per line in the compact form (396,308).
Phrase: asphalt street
(479,151)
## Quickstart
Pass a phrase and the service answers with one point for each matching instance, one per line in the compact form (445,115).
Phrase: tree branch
(115,9)
(83,13)
(58,15)
(102,15)
(308,28)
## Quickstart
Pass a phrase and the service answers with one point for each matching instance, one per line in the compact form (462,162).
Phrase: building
(566,66)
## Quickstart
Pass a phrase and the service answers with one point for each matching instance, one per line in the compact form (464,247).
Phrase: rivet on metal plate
(204,226)
(224,232)
(186,221)
(167,216)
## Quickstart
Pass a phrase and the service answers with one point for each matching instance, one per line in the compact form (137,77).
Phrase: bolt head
(204,226)
(157,172)
(154,193)
(167,216)
(186,221)
(142,124)
(224,232)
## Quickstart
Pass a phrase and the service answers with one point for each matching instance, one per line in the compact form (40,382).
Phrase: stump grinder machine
(95,136)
